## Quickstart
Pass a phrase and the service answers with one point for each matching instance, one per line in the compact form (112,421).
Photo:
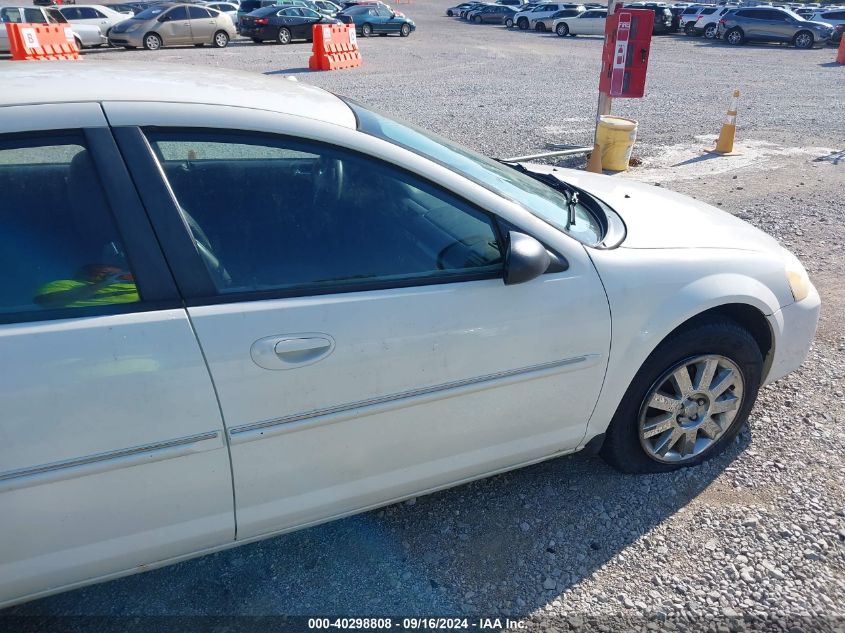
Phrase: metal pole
(604,105)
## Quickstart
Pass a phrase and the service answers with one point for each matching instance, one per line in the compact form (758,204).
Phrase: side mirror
(525,260)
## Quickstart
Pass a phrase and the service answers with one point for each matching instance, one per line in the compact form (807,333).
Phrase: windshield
(149,14)
(540,199)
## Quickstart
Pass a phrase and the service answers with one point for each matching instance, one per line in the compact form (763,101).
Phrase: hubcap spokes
(689,408)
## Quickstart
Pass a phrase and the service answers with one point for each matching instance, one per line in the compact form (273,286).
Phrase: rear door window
(59,248)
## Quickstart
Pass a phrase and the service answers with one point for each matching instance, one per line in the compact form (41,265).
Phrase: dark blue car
(370,19)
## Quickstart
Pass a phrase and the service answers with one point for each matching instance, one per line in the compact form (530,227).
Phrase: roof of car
(75,82)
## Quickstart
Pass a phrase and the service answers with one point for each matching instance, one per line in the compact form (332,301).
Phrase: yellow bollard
(725,144)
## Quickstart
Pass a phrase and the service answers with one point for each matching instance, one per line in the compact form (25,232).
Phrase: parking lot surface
(758,534)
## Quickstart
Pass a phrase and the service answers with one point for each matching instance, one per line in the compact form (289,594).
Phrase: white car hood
(657,218)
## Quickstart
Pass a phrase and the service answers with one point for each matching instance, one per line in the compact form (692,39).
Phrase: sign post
(627,42)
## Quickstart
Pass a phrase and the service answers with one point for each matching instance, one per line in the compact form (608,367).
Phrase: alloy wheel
(689,408)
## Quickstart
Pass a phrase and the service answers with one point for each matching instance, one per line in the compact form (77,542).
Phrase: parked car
(565,13)
(689,15)
(662,16)
(169,24)
(772,25)
(169,363)
(836,18)
(229,8)
(85,35)
(94,15)
(326,7)
(377,20)
(468,12)
(708,23)
(453,11)
(542,20)
(544,10)
(589,22)
(494,14)
(282,24)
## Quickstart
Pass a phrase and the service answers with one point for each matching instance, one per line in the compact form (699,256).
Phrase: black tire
(710,32)
(540,27)
(366,30)
(522,23)
(689,28)
(405,29)
(283,36)
(153,42)
(803,40)
(562,29)
(717,335)
(220,39)
(449,13)
(509,23)
(735,37)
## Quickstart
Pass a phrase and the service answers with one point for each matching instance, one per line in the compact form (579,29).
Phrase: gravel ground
(752,540)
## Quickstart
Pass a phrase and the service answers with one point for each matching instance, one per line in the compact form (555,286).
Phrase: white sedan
(587,23)
(93,15)
(276,304)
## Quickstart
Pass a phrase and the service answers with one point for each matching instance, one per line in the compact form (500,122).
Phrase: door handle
(291,350)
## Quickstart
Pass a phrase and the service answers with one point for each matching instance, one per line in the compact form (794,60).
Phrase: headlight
(797,277)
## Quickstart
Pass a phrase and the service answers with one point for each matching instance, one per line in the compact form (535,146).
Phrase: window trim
(149,269)
(192,276)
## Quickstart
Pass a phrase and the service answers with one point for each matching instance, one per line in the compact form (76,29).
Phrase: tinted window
(248,6)
(834,15)
(152,12)
(197,13)
(292,215)
(177,13)
(88,13)
(310,13)
(59,247)
(71,13)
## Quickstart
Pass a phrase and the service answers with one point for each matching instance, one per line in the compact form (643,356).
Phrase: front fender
(651,292)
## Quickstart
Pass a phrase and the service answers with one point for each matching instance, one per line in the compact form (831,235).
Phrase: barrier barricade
(840,55)
(41,41)
(335,47)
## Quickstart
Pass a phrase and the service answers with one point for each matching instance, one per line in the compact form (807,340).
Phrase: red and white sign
(617,77)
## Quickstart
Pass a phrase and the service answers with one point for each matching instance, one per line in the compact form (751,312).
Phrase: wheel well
(746,316)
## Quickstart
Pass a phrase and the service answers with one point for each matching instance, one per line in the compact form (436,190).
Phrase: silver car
(86,35)
(172,25)
(771,24)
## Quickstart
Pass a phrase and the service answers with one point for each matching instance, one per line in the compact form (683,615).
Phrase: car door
(362,342)
(309,19)
(584,24)
(175,27)
(112,447)
(203,25)
(388,23)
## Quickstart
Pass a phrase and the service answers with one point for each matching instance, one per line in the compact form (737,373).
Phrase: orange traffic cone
(725,144)
(840,55)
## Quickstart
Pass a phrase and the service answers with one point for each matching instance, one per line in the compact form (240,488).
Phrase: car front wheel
(509,23)
(688,401)
(405,30)
(366,30)
(152,42)
(562,29)
(803,39)
(522,23)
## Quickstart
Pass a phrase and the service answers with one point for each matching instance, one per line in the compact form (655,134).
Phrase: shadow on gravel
(834,157)
(507,545)
(288,71)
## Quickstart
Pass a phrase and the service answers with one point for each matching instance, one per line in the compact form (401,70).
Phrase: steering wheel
(328,180)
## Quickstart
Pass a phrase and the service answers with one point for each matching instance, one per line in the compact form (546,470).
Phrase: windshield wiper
(569,192)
